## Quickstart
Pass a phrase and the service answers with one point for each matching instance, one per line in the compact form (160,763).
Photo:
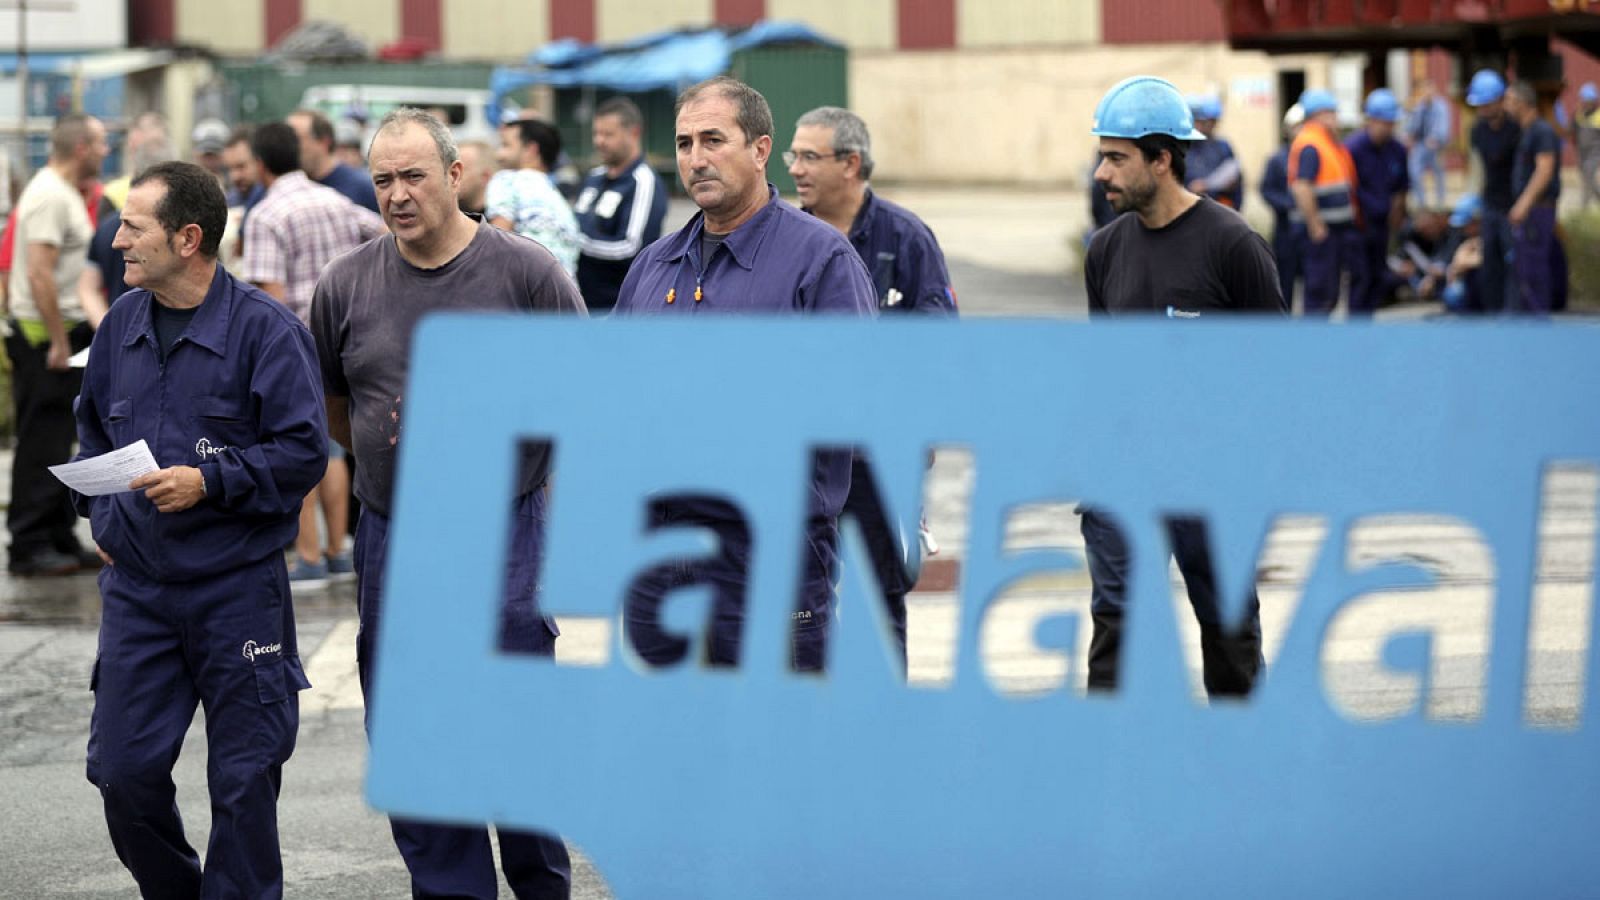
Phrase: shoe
(341,566)
(45,562)
(306,576)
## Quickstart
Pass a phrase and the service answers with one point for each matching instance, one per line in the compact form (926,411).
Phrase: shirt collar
(208,329)
(288,181)
(863,221)
(742,244)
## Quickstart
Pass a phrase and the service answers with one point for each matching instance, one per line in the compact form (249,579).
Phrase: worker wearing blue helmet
(1494,138)
(1213,168)
(1383,180)
(1322,178)
(1183,256)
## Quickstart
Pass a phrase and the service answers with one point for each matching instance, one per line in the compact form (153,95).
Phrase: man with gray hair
(363,313)
(830,159)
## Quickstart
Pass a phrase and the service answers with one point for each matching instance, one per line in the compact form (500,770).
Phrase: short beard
(1134,198)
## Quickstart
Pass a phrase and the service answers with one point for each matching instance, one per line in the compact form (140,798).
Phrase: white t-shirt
(51,211)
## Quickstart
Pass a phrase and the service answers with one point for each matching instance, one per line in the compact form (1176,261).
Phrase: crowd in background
(298,196)
(1379,193)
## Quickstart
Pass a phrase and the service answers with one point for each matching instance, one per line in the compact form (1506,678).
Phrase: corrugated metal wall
(1161,21)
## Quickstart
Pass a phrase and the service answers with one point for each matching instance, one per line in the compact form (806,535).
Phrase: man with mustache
(1186,257)
(746,252)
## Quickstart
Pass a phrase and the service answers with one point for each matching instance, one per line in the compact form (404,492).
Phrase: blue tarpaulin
(668,60)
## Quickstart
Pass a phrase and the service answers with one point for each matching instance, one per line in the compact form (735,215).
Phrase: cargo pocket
(270,681)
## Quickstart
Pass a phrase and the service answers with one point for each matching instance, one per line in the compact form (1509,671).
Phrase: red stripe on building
(1160,21)
(282,17)
(926,24)
(152,23)
(740,12)
(572,19)
(422,21)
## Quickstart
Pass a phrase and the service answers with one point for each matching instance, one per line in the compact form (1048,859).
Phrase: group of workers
(1350,212)
(245,382)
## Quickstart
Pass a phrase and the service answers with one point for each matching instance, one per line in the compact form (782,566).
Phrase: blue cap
(1144,105)
(1383,105)
(1469,207)
(1206,106)
(1588,93)
(1316,100)
(1487,86)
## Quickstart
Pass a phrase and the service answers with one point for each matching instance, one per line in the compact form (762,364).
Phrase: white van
(466,110)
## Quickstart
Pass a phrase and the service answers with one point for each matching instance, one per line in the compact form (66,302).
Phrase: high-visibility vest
(1335,184)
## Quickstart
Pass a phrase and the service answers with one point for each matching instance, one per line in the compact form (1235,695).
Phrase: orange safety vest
(1336,175)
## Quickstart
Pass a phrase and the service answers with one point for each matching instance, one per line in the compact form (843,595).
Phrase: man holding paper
(220,382)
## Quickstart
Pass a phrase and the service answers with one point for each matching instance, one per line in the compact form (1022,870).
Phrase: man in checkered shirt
(297,228)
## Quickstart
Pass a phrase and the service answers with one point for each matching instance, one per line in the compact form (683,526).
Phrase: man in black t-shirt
(1536,183)
(1186,257)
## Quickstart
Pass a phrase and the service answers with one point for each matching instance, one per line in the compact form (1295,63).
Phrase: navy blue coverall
(1383,173)
(196,602)
(910,278)
(779,261)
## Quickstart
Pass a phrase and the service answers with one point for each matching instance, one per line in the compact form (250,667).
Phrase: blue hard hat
(1487,86)
(1588,93)
(1383,105)
(1205,106)
(1469,207)
(1317,100)
(1144,105)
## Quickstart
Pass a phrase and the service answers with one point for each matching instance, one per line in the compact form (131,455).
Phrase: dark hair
(69,131)
(542,135)
(626,111)
(751,110)
(1151,145)
(243,134)
(321,128)
(194,197)
(278,148)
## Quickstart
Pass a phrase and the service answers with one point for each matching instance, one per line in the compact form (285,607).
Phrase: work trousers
(227,643)
(41,517)
(1324,263)
(1231,657)
(453,861)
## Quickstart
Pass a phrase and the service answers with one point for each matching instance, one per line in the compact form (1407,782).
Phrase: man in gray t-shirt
(363,313)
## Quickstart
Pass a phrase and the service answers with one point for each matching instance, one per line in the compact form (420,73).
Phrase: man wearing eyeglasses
(830,159)
(745,252)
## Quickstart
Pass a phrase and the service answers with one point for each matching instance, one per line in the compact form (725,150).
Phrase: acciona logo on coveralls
(205,449)
(253,650)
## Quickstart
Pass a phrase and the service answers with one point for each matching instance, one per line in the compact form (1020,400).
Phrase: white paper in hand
(108,473)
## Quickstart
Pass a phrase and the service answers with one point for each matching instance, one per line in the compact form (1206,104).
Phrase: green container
(795,80)
(263,92)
